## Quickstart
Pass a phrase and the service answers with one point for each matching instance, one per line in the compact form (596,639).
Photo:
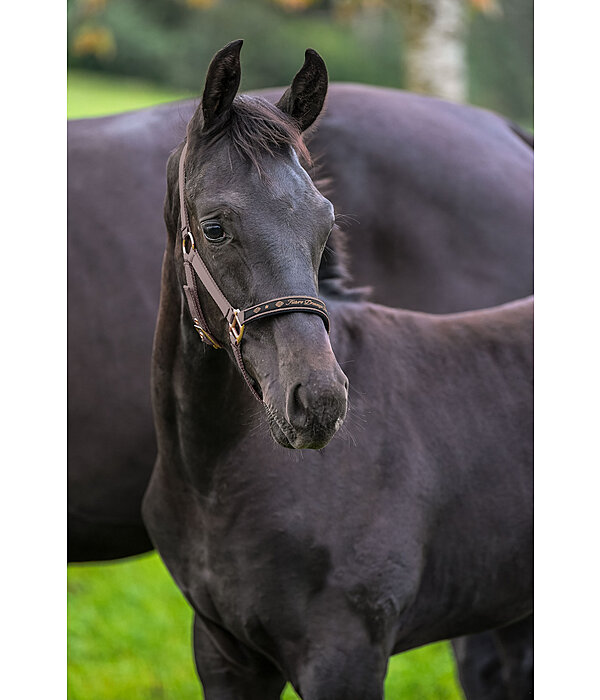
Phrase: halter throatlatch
(236,320)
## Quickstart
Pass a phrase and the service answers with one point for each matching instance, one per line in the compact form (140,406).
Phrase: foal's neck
(197,388)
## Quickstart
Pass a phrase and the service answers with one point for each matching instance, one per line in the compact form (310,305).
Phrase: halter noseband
(236,319)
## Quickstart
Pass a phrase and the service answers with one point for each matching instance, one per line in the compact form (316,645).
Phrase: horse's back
(438,198)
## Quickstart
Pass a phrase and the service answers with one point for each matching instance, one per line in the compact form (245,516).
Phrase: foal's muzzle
(307,411)
(316,409)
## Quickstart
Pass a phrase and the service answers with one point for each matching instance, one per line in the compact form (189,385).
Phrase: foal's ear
(222,83)
(304,99)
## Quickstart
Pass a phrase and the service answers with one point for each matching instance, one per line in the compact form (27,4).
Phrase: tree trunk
(435,48)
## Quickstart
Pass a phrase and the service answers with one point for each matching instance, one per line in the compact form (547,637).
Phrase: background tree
(435,38)
(463,50)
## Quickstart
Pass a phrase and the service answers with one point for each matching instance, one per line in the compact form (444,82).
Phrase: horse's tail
(523,134)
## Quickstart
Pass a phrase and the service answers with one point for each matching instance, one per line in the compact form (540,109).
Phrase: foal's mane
(256,127)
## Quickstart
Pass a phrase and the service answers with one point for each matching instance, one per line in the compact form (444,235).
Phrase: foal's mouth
(281,430)
(287,436)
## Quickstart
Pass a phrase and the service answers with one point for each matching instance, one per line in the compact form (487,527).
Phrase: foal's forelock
(255,128)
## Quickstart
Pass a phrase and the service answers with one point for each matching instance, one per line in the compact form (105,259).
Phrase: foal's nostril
(317,406)
(297,406)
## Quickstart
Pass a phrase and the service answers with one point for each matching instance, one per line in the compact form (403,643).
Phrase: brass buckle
(204,335)
(235,328)
(187,235)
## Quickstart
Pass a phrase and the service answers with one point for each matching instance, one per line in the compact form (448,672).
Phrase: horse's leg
(497,665)
(228,670)
(516,648)
(340,663)
(343,674)
(479,667)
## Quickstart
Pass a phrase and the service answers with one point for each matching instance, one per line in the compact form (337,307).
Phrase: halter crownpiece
(236,319)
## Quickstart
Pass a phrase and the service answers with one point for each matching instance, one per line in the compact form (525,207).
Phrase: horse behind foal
(413,523)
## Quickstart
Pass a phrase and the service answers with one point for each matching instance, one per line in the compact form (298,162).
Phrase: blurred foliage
(501,60)
(171,42)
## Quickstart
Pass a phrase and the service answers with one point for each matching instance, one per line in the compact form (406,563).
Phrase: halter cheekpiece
(236,319)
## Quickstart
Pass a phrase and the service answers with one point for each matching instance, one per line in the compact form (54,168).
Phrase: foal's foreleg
(341,665)
(228,670)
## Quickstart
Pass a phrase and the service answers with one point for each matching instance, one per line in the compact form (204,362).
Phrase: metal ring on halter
(236,328)
(184,237)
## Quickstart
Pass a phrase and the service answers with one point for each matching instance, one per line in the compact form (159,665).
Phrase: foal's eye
(212,231)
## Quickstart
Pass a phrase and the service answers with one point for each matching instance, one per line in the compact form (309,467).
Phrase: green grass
(128,633)
(129,627)
(129,637)
(95,95)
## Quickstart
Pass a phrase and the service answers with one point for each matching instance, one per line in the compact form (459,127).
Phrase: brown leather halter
(236,319)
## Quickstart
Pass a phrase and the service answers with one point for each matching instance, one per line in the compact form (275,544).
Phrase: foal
(411,523)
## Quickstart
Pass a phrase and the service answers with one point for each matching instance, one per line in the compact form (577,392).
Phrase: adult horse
(416,527)
(438,205)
